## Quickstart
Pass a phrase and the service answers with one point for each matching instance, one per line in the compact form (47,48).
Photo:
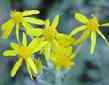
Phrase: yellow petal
(34,20)
(81,18)
(16,67)
(47,23)
(32,65)
(17,33)
(24,41)
(38,64)
(83,37)
(29,69)
(27,26)
(35,32)
(14,46)
(105,25)
(8,24)
(47,50)
(103,37)
(7,28)
(55,21)
(93,42)
(30,12)
(77,30)
(36,45)
(9,53)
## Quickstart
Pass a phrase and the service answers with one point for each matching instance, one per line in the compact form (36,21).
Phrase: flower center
(24,52)
(49,33)
(16,16)
(63,62)
(92,25)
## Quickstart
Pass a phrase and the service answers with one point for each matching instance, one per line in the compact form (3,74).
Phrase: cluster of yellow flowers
(58,48)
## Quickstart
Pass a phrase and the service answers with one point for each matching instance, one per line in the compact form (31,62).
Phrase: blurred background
(89,70)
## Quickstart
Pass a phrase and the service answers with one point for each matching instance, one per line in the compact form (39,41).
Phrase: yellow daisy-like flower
(24,53)
(17,18)
(62,58)
(91,27)
(51,36)
(47,34)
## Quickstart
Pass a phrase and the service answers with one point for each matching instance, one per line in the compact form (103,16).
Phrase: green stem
(58,78)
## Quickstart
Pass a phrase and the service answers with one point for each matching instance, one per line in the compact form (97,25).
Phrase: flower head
(62,58)
(91,27)
(17,18)
(24,53)
(47,34)
(51,36)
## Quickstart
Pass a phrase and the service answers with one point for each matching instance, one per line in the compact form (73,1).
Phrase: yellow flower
(24,53)
(62,58)
(51,36)
(47,34)
(17,18)
(91,27)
